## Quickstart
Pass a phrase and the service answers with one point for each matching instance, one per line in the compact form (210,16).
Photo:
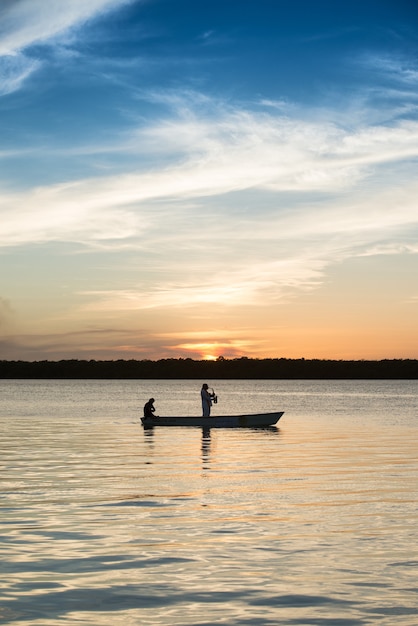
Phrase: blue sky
(185,178)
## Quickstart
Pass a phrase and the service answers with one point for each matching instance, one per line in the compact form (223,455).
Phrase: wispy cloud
(397,68)
(247,283)
(14,70)
(215,157)
(93,343)
(26,22)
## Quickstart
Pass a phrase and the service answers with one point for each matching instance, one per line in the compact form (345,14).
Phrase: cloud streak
(14,70)
(234,152)
(24,23)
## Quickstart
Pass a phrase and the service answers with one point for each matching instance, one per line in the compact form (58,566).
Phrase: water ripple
(104,524)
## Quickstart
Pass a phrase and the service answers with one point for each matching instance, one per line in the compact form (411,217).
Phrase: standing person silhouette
(206,400)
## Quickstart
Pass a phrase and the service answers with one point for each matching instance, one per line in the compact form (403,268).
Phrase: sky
(183,179)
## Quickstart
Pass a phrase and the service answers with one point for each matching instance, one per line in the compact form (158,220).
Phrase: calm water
(313,522)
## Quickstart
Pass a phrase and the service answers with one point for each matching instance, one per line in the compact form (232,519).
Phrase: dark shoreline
(239,368)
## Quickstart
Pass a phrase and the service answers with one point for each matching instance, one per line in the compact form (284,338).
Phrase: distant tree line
(222,368)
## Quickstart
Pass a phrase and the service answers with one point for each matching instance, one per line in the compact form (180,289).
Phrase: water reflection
(149,434)
(269,429)
(309,523)
(206,448)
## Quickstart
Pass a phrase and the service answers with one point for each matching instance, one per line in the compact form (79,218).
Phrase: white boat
(257,420)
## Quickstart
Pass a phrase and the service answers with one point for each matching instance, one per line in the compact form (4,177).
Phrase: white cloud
(252,283)
(14,70)
(237,152)
(47,216)
(399,69)
(363,177)
(26,22)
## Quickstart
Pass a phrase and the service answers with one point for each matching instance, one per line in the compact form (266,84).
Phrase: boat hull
(259,420)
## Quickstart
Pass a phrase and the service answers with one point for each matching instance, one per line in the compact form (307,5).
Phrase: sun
(205,351)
